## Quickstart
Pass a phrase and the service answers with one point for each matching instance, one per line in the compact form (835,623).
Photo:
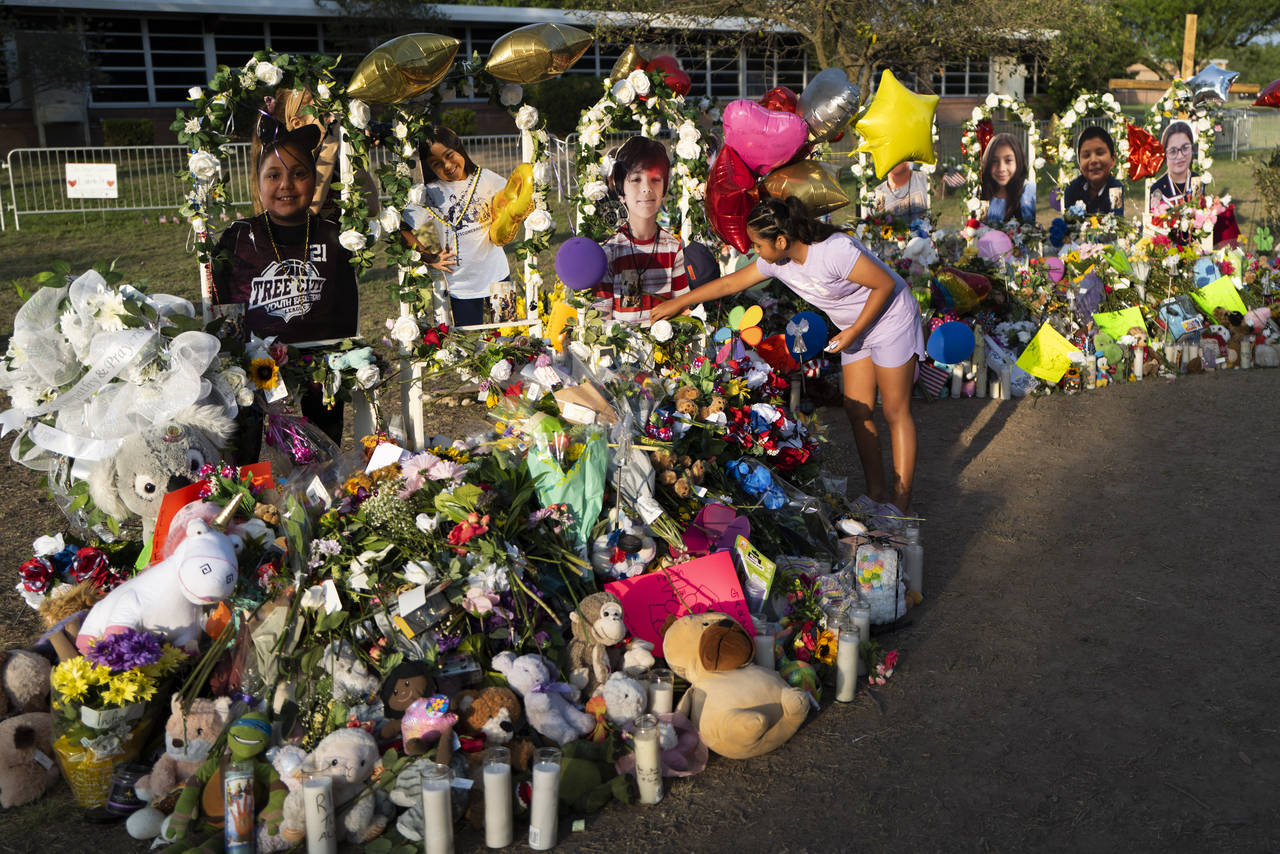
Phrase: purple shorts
(894,338)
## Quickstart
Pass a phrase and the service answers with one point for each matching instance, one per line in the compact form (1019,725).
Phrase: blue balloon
(951,343)
(1205,271)
(581,263)
(806,335)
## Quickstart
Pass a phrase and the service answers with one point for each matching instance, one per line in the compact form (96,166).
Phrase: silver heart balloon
(828,104)
(1214,82)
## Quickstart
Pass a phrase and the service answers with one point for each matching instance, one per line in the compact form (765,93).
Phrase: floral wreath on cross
(415,284)
(644,97)
(1088,105)
(971,162)
(1178,104)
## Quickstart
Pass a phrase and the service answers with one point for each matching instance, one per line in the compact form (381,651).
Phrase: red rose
(36,575)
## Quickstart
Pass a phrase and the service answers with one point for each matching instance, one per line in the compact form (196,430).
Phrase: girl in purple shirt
(880,337)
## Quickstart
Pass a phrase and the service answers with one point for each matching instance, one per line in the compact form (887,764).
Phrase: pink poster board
(706,584)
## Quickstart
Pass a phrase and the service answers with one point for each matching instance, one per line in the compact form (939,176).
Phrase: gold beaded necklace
(462,212)
(306,242)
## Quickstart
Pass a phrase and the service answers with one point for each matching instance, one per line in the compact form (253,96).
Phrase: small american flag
(934,379)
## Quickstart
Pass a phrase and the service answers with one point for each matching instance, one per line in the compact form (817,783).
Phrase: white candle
(957,379)
(913,557)
(860,611)
(1246,353)
(317,798)
(545,803)
(764,645)
(995,387)
(980,362)
(847,663)
(662,691)
(497,797)
(1091,371)
(1006,381)
(1171,353)
(648,761)
(1138,359)
(437,809)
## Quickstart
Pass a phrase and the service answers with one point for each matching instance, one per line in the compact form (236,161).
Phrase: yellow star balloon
(537,52)
(403,68)
(897,126)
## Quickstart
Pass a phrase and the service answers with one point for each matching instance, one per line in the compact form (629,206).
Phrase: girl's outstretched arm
(870,275)
(739,280)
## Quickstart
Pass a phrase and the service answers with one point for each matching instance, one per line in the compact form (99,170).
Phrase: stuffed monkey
(598,626)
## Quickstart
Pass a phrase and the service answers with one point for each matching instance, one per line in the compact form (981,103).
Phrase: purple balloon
(994,245)
(1056,268)
(581,263)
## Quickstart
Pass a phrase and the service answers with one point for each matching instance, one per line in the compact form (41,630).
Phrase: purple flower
(126,650)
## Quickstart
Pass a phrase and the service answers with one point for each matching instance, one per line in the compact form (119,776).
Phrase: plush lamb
(133,481)
(545,705)
(352,681)
(625,699)
(350,757)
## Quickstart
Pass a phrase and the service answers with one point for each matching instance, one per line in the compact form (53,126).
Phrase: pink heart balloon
(1056,268)
(764,138)
(994,245)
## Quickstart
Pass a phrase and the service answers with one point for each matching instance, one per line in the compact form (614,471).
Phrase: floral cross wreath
(643,97)
(1178,104)
(1089,106)
(971,162)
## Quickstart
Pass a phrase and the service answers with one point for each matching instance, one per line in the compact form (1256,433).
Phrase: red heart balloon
(781,99)
(731,194)
(673,75)
(986,130)
(1146,154)
(1269,96)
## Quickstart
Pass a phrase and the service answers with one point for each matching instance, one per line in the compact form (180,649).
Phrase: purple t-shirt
(823,282)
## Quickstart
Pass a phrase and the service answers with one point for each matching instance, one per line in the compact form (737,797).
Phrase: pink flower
(479,602)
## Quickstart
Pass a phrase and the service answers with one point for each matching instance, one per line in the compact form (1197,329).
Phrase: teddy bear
(598,627)
(24,682)
(740,709)
(687,407)
(493,716)
(714,407)
(352,680)
(1234,323)
(350,757)
(27,768)
(188,737)
(545,703)
(133,481)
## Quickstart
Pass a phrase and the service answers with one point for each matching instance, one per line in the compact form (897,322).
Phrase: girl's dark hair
(403,670)
(789,218)
(449,139)
(640,152)
(1013,191)
(1095,132)
(1175,128)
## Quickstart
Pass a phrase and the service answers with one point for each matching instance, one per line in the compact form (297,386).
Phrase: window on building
(235,40)
(178,60)
(119,47)
(1036,82)
(971,78)
(723,83)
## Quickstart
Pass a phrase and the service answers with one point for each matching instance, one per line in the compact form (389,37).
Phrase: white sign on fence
(91,181)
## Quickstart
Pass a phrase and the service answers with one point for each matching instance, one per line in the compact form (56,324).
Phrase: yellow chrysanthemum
(71,678)
(264,373)
(171,658)
(120,692)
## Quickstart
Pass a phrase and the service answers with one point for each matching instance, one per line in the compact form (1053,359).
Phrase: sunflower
(826,647)
(886,232)
(264,373)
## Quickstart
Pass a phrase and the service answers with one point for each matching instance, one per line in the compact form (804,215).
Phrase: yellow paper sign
(1118,323)
(1048,355)
(561,314)
(1221,292)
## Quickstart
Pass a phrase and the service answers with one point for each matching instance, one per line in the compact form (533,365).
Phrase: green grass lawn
(160,256)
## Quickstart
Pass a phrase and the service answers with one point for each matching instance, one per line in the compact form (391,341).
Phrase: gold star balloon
(810,181)
(403,68)
(897,126)
(537,52)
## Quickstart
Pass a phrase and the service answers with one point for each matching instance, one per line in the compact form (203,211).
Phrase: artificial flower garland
(971,163)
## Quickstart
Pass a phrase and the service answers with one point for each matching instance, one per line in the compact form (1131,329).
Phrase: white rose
(1068,155)
(534,279)
(405,330)
(358,113)
(700,190)
(1038,163)
(323,91)
(409,150)
(204,166)
(368,376)
(390,219)
(623,93)
(639,82)
(417,195)
(192,125)
(375,231)
(501,372)
(976,115)
(654,129)
(590,137)
(661,331)
(689,131)
(527,117)
(973,203)
(313,598)
(426,523)
(510,95)
(606,166)
(1069,117)
(47,545)
(542,173)
(420,571)
(595,190)
(588,210)
(540,220)
(687,150)
(1206,178)
(268,73)
(351,240)
(1080,105)
(195,93)
(401,130)
(993,100)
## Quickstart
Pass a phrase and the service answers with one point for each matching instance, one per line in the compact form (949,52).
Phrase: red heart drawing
(111,183)
(71,182)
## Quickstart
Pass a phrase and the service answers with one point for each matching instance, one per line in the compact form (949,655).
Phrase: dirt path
(1093,668)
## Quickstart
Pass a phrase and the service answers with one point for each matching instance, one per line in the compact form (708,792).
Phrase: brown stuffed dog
(740,710)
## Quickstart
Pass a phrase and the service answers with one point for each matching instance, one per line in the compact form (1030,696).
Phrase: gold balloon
(811,182)
(403,68)
(537,52)
(630,60)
